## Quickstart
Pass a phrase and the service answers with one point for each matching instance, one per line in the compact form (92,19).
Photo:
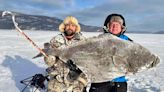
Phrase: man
(70,33)
(114,24)
(65,77)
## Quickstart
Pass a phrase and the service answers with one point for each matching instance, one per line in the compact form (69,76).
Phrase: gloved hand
(50,60)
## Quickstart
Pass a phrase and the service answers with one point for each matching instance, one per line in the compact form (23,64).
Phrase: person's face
(70,29)
(115,27)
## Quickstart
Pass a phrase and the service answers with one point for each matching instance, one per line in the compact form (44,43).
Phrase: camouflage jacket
(59,70)
(61,41)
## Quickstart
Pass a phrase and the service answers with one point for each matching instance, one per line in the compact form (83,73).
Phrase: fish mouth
(155,62)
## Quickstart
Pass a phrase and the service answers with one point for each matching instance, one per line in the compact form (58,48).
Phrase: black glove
(74,71)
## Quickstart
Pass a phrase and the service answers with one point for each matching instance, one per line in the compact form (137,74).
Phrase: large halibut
(106,56)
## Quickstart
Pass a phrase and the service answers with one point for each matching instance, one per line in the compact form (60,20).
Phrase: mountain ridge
(38,22)
(46,23)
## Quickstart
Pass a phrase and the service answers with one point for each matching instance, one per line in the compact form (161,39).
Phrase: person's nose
(70,26)
(115,25)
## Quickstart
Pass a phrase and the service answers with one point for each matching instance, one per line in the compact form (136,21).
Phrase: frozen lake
(16,61)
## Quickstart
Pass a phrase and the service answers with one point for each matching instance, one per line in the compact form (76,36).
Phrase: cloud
(139,15)
(36,6)
(56,3)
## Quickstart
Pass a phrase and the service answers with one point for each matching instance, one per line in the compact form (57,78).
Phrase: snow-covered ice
(16,61)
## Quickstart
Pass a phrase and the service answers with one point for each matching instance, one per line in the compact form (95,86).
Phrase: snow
(16,61)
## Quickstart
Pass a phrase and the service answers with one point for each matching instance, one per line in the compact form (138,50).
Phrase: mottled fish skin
(106,56)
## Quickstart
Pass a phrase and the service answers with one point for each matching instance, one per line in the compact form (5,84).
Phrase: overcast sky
(140,15)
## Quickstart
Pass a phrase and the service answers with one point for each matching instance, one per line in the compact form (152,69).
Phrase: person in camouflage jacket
(65,77)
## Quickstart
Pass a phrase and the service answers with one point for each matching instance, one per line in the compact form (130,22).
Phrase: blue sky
(140,15)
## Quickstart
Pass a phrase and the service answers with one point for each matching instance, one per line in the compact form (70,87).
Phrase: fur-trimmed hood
(68,20)
(109,18)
